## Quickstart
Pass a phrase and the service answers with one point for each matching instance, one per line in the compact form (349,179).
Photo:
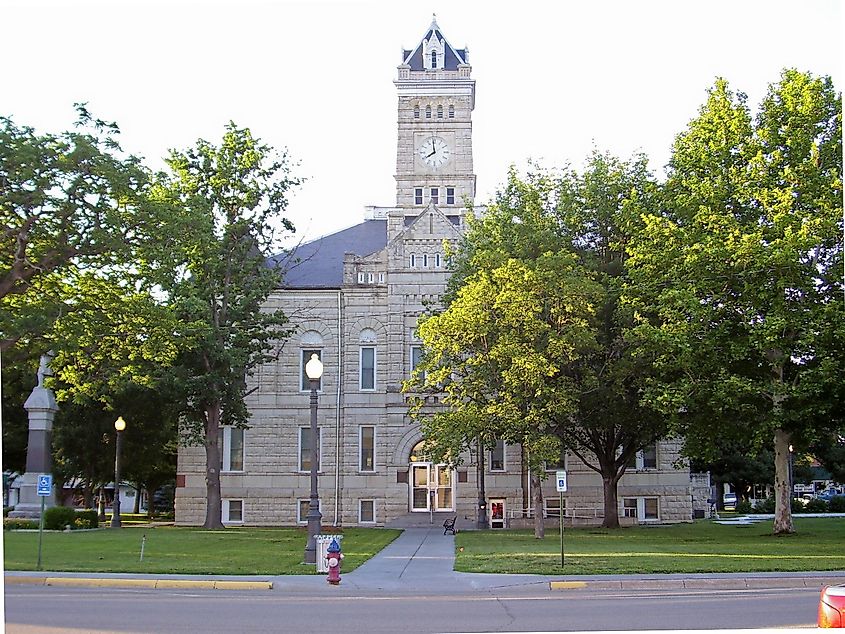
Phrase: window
(428,112)
(560,465)
(434,59)
(367,444)
(644,509)
(451,112)
(233,448)
(646,458)
(425,260)
(416,357)
(371,278)
(439,112)
(437,260)
(366,511)
(413,260)
(435,195)
(302,507)
(368,368)
(551,506)
(305,448)
(416,112)
(418,195)
(497,456)
(450,195)
(381,278)
(233,511)
(305,358)
(360,278)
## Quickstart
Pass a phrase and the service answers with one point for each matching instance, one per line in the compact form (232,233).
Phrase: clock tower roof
(434,40)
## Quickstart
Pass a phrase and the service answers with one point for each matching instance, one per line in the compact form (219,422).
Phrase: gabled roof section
(453,56)
(319,264)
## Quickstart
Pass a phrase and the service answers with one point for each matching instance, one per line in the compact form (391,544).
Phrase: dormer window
(416,112)
(433,59)
(428,112)
(439,112)
(451,112)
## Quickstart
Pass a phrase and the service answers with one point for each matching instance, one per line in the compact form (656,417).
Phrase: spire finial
(434,21)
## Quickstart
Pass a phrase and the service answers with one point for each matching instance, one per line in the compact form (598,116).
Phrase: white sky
(553,78)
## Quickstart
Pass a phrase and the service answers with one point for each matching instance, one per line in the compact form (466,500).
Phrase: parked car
(729,501)
(832,607)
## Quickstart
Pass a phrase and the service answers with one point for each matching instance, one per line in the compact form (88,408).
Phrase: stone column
(41,407)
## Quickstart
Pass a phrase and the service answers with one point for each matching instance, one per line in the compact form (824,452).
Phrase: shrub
(744,507)
(19,523)
(57,517)
(86,519)
(765,506)
(817,505)
(837,504)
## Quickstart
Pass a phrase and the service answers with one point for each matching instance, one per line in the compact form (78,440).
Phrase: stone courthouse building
(355,300)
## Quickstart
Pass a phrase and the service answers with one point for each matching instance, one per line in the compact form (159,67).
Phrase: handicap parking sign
(45,484)
(560,476)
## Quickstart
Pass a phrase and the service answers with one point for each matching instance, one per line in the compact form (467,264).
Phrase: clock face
(434,152)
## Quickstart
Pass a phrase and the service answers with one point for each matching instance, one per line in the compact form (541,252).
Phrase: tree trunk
(213,502)
(611,503)
(87,495)
(783,494)
(101,505)
(136,508)
(537,501)
(150,504)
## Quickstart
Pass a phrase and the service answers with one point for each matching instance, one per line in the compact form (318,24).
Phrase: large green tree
(738,278)
(68,202)
(227,203)
(531,346)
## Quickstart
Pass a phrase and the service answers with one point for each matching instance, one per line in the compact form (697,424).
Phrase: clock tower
(434,145)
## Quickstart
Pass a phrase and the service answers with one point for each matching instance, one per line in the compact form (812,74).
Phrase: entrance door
(443,495)
(497,513)
(432,487)
(420,474)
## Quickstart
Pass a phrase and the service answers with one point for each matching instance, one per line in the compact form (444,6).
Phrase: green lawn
(818,544)
(233,551)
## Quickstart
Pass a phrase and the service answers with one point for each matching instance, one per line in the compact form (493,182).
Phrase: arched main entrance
(431,486)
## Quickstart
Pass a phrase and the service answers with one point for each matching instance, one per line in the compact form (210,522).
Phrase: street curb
(141,583)
(721,583)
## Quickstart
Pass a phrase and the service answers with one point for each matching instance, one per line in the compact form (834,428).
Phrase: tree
(226,206)
(531,346)
(738,282)
(68,202)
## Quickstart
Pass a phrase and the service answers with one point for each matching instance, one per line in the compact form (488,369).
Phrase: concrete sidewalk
(421,561)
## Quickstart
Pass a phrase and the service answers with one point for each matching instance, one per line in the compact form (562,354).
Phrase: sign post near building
(44,490)
(560,478)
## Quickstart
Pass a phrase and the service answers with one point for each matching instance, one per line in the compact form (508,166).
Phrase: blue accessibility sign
(45,484)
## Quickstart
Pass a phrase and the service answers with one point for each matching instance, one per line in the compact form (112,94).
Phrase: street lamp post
(482,494)
(119,426)
(314,370)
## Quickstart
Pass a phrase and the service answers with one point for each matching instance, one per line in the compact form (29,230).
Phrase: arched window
(413,260)
(451,112)
(439,112)
(434,59)
(416,112)
(418,453)
(428,112)
(310,344)
(437,260)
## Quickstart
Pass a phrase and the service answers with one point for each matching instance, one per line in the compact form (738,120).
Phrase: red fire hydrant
(334,557)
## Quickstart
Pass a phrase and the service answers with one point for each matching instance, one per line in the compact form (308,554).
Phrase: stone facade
(355,302)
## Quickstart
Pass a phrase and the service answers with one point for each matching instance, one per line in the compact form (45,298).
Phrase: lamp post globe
(119,426)
(314,371)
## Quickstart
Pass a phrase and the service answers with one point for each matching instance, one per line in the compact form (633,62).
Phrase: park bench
(449,526)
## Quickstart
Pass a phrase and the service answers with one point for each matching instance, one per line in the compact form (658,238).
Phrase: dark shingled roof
(453,57)
(319,264)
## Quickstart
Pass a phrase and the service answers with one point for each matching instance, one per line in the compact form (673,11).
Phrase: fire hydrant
(334,557)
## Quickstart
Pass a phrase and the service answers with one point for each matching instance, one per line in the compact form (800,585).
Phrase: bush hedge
(56,518)
(837,504)
(86,519)
(19,523)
